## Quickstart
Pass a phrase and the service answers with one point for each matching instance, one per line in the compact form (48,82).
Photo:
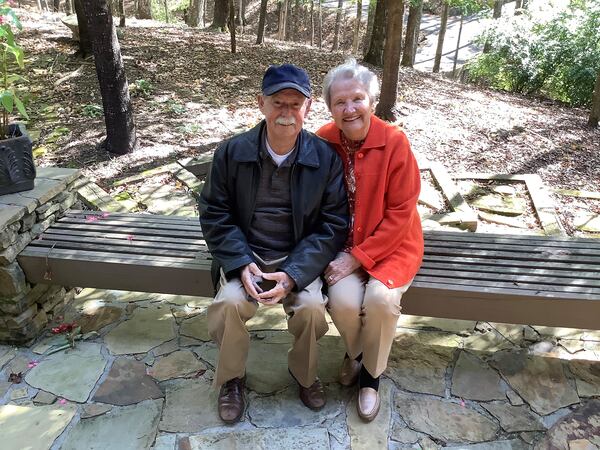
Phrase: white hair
(351,70)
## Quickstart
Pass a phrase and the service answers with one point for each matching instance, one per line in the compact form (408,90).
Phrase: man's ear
(308,104)
(261,101)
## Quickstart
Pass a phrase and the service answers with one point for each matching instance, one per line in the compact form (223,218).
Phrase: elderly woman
(385,243)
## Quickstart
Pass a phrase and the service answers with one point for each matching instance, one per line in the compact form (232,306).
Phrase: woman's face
(351,108)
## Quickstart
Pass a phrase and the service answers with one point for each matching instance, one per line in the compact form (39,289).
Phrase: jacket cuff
(366,261)
(230,266)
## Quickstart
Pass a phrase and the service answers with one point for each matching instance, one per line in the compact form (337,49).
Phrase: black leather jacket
(319,205)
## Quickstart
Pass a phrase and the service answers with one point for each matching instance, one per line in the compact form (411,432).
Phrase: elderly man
(274,213)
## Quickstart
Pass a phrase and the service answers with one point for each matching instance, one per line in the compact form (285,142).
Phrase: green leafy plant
(141,87)
(176,108)
(556,55)
(9,99)
(92,110)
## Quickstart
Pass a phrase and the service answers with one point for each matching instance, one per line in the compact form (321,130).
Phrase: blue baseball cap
(285,76)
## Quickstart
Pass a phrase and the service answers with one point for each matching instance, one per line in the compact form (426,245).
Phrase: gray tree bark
(441,35)
(144,9)
(412,26)
(389,86)
(118,113)
(338,20)
(374,54)
(595,112)
(260,34)
(356,35)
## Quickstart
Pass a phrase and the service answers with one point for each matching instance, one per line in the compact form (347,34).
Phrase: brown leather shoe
(368,403)
(313,397)
(231,400)
(349,372)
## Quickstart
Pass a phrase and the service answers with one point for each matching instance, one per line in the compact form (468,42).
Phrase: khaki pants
(365,312)
(232,308)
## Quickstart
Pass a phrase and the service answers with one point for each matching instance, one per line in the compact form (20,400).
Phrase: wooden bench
(535,280)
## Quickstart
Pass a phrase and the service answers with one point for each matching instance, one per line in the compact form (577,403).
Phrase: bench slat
(135,231)
(160,226)
(575,259)
(500,263)
(101,234)
(120,249)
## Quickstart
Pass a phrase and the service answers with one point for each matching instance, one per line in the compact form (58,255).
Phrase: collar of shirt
(278,160)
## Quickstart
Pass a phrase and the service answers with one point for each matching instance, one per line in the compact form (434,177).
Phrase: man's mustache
(284,121)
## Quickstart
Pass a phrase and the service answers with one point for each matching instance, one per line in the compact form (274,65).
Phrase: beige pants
(232,307)
(365,312)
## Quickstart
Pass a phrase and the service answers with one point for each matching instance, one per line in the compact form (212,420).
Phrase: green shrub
(556,55)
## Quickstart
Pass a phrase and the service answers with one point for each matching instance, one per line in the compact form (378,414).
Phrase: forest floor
(189,92)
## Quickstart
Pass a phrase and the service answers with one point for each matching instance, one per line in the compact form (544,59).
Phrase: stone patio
(142,379)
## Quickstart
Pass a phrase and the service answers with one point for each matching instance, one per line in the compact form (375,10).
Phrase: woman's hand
(341,267)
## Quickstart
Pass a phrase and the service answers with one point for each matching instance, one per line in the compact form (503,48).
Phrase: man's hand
(250,274)
(341,267)
(284,286)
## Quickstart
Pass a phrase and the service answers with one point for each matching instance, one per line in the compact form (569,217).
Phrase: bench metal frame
(536,280)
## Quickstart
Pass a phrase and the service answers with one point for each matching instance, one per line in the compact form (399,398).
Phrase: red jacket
(388,239)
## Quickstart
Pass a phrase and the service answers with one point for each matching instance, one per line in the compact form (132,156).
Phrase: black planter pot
(17,171)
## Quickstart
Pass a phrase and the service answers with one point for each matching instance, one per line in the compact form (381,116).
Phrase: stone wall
(26,308)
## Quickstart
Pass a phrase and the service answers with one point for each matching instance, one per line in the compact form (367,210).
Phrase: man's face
(284,112)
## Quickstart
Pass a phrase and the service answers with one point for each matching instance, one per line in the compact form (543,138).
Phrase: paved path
(142,379)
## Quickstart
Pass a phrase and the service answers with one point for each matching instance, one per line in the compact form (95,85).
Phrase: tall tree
(320,20)
(460,27)
(312,22)
(69,7)
(231,23)
(144,9)
(195,13)
(122,13)
(375,53)
(220,15)
(55,5)
(166,5)
(282,23)
(595,112)
(338,20)
(356,35)
(370,21)
(85,45)
(260,34)
(413,26)
(241,13)
(441,35)
(118,113)
(391,56)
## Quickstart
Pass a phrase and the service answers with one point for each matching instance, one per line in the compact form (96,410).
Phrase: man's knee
(310,303)
(233,297)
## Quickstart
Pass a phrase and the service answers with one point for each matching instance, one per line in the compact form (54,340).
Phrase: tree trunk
(497,9)
(457,46)
(260,34)
(118,113)
(338,20)
(357,26)
(288,17)
(69,7)
(241,13)
(85,45)
(370,20)
(55,5)
(195,13)
(375,53)
(231,23)
(281,27)
(413,25)
(295,28)
(122,13)
(595,112)
(389,85)
(417,33)
(518,6)
(166,11)
(312,23)
(220,15)
(320,14)
(524,4)
(144,9)
(442,33)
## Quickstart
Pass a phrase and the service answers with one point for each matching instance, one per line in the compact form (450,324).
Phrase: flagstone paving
(143,379)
